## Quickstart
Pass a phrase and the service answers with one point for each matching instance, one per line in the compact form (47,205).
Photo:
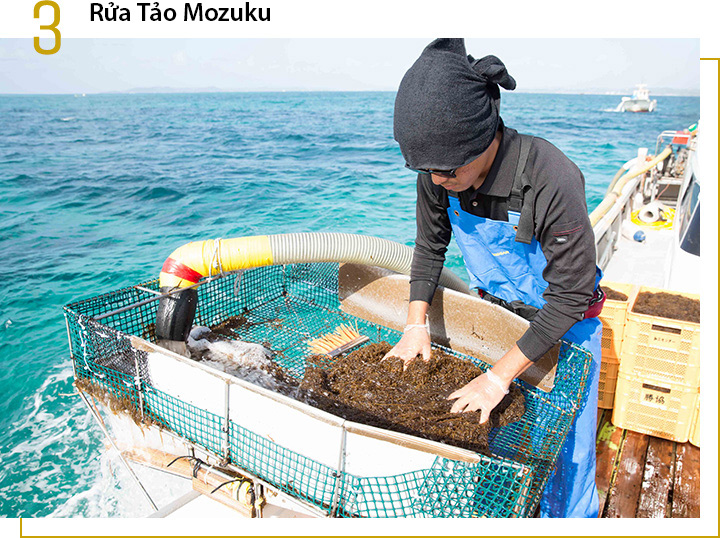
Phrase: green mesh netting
(285,307)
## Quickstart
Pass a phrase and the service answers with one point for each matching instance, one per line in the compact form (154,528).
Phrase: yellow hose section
(609,200)
(232,255)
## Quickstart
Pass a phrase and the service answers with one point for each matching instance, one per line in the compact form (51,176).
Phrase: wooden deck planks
(686,493)
(643,476)
(657,484)
(622,500)
(609,442)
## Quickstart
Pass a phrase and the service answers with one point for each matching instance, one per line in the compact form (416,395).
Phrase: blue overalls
(511,270)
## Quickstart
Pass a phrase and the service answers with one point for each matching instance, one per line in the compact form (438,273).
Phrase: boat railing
(608,226)
(681,138)
(607,218)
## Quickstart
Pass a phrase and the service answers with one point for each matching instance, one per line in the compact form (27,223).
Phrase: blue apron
(511,270)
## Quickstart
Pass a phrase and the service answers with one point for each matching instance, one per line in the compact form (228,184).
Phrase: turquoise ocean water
(98,190)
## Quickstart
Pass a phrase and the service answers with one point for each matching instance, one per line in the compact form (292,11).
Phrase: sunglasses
(441,173)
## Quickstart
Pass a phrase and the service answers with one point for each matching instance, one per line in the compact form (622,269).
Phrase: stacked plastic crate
(613,320)
(658,380)
(695,433)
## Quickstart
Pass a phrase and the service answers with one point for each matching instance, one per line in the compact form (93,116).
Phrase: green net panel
(283,308)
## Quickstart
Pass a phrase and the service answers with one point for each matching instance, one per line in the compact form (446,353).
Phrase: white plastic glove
(415,340)
(484,392)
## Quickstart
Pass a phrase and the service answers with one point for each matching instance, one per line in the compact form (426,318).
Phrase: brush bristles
(344,334)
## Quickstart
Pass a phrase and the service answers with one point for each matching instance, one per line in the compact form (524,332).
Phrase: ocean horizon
(680,92)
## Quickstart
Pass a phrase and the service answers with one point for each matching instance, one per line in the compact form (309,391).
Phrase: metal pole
(138,385)
(127,465)
(72,358)
(339,473)
(148,290)
(129,307)
(226,424)
(259,499)
(153,299)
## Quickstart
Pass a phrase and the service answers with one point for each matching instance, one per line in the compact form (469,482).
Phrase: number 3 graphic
(52,27)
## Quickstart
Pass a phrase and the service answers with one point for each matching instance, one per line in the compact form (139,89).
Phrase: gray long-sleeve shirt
(562,227)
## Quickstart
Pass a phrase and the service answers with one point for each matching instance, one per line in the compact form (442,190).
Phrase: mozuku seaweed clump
(229,326)
(363,388)
(614,295)
(121,402)
(668,305)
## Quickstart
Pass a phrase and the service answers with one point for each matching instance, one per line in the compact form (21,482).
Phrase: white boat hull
(637,105)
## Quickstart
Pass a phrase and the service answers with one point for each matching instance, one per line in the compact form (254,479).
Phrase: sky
(119,65)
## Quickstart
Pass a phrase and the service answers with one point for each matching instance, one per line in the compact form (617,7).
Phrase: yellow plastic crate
(606,385)
(653,407)
(660,348)
(695,431)
(613,319)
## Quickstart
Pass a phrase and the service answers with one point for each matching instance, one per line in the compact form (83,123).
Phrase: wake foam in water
(114,493)
(108,490)
(58,438)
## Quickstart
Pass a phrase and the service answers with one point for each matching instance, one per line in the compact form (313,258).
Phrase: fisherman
(516,205)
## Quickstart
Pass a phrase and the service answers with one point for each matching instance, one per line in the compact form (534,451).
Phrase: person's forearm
(433,232)
(417,312)
(511,365)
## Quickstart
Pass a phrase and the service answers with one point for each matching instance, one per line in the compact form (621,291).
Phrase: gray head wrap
(447,108)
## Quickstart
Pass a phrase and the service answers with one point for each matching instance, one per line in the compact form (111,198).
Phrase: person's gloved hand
(484,392)
(415,340)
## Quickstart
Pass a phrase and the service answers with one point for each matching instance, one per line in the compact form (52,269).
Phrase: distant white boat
(639,102)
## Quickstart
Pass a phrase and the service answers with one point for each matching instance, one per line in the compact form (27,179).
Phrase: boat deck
(641,263)
(643,476)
